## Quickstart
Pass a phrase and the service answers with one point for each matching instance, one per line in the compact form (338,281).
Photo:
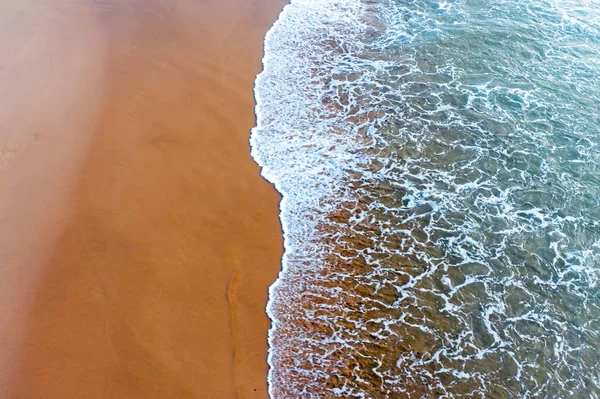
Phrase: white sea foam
(440,198)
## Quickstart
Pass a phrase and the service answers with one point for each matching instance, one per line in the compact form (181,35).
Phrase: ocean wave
(439,165)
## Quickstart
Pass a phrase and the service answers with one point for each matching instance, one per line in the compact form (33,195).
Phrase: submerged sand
(137,238)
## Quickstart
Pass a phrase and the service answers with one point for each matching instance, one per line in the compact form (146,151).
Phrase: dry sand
(137,238)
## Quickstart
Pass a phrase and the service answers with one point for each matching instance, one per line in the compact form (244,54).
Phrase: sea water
(439,163)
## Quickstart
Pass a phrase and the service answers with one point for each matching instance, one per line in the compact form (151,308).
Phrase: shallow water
(440,166)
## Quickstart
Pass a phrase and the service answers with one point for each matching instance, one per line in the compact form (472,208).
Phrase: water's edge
(282,204)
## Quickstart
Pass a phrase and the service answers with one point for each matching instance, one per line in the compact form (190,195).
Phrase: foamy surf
(439,165)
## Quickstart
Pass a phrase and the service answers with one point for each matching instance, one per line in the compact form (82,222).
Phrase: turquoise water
(440,167)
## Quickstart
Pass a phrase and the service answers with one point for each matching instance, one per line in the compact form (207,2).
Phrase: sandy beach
(137,237)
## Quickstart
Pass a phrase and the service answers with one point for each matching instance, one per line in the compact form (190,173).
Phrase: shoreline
(132,269)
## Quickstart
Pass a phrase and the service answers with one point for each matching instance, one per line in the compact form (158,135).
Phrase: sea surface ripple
(439,163)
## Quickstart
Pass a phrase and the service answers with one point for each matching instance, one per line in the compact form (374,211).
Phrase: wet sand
(137,238)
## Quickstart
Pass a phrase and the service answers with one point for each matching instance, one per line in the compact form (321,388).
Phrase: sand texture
(137,238)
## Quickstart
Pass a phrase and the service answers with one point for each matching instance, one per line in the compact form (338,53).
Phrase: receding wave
(439,163)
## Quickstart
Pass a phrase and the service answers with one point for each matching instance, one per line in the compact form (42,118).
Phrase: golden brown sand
(137,238)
